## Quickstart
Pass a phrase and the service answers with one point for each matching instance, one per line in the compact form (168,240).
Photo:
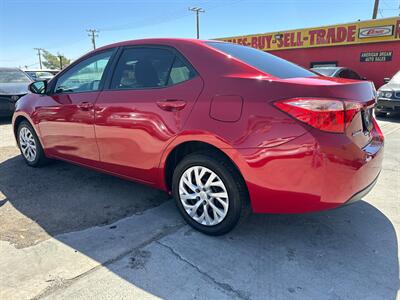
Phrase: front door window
(85,76)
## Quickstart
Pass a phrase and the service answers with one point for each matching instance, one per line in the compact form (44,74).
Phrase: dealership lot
(69,232)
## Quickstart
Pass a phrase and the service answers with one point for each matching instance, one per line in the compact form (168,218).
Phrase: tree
(52,61)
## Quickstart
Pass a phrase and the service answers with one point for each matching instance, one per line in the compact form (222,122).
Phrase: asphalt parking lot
(71,233)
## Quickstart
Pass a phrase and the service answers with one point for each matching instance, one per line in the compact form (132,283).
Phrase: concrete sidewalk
(349,253)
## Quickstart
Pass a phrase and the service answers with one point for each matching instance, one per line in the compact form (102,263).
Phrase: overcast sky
(60,26)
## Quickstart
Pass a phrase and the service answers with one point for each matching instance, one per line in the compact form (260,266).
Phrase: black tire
(40,159)
(238,198)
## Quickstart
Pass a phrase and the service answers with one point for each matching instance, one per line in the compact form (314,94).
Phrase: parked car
(389,96)
(340,72)
(13,85)
(41,74)
(218,125)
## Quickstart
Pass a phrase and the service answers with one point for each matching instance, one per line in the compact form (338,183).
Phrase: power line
(165,17)
(145,22)
(388,8)
(384,2)
(92,33)
(28,66)
(197,10)
(40,56)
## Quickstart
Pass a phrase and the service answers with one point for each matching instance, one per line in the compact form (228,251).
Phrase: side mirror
(38,87)
(363,78)
(386,80)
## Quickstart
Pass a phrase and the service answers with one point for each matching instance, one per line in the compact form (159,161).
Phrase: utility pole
(40,56)
(376,7)
(197,10)
(92,33)
(60,59)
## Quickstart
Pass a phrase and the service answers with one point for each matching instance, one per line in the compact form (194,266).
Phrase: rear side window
(180,72)
(143,68)
(262,61)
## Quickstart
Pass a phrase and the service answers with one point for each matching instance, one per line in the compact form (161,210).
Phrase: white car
(389,96)
(41,74)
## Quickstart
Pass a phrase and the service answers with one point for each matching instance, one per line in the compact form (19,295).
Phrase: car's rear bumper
(387,105)
(361,194)
(310,173)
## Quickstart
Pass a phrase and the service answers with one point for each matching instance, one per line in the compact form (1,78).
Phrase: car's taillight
(331,115)
(378,129)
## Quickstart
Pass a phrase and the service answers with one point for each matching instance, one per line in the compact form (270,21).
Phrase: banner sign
(379,56)
(372,31)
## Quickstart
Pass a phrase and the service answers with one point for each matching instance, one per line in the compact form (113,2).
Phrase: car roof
(171,42)
(156,41)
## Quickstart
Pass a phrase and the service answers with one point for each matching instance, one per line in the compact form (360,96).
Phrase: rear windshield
(13,76)
(324,71)
(263,61)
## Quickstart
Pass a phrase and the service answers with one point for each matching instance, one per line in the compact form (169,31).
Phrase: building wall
(349,56)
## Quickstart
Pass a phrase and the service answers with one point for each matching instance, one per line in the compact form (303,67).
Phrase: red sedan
(223,127)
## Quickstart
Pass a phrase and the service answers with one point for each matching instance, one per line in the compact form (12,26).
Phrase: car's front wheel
(209,192)
(29,145)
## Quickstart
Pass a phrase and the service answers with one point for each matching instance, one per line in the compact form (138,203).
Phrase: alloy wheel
(203,195)
(27,144)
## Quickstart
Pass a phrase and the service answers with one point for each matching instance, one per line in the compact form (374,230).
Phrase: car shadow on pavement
(62,197)
(5,120)
(392,117)
(349,253)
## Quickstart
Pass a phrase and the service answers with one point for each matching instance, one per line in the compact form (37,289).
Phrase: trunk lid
(357,95)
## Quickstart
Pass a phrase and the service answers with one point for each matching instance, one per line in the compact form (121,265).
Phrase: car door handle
(85,105)
(171,104)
